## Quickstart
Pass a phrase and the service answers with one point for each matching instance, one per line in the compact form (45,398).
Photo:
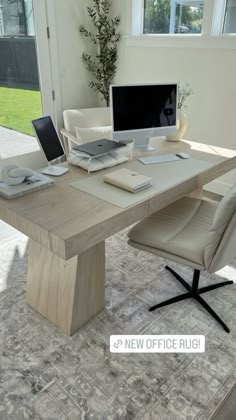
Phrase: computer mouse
(183,155)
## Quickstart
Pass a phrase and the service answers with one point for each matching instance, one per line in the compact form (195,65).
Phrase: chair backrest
(86,118)
(221,246)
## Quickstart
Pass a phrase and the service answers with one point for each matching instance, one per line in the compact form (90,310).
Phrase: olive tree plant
(105,38)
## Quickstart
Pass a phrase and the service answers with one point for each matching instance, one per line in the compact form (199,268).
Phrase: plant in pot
(105,39)
(182,120)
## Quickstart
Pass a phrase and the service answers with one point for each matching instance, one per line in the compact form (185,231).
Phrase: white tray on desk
(35,183)
(85,161)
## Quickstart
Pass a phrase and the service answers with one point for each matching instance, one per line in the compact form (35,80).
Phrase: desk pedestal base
(68,293)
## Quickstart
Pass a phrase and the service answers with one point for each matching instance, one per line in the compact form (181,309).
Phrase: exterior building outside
(18,63)
(16,18)
(230,17)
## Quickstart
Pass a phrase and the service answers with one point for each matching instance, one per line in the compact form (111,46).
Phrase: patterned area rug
(47,375)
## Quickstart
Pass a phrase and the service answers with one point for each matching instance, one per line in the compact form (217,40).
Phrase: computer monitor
(50,144)
(142,111)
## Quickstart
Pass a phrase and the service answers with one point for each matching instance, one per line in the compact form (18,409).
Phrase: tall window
(173,16)
(230,17)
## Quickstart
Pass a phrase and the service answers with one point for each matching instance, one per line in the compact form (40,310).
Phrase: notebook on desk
(128,180)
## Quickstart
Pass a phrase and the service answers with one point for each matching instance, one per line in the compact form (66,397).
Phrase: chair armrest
(68,138)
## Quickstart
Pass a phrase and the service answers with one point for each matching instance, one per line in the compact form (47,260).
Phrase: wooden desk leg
(68,293)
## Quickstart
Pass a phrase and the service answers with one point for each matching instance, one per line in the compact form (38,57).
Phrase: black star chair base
(196,232)
(194,292)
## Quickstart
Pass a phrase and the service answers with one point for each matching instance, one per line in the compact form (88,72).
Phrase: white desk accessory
(54,170)
(18,181)
(14,175)
(150,160)
(126,179)
(183,155)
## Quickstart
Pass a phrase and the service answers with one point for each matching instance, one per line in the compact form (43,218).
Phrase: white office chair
(82,118)
(196,232)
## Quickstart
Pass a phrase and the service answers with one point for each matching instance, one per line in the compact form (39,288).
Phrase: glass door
(21,87)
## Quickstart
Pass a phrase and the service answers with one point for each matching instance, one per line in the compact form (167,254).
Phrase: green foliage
(18,107)
(184,91)
(157,17)
(105,38)
(190,17)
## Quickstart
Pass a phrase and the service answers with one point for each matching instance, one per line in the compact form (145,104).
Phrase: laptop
(99,147)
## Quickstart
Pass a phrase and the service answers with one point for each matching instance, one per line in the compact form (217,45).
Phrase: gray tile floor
(7,232)
(13,143)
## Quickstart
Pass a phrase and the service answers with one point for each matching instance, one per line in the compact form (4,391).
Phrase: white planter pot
(182,124)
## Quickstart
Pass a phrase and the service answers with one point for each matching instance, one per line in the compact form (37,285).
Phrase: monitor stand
(54,170)
(144,148)
(142,144)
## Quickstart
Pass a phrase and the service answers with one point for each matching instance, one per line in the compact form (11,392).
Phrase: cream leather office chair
(196,232)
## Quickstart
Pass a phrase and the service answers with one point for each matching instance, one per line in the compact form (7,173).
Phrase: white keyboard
(149,160)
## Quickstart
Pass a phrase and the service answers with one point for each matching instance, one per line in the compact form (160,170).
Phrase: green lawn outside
(18,107)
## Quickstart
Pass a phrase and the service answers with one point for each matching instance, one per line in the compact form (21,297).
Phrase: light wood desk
(67,230)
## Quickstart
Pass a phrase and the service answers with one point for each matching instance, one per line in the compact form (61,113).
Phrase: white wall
(211,73)
(73,75)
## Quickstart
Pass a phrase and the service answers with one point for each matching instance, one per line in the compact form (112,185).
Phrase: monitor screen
(140,107)
(48,138)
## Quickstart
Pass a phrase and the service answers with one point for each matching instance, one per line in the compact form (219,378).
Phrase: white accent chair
(196,232)
(82,118)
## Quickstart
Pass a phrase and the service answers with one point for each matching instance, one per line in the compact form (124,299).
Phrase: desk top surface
(68,221)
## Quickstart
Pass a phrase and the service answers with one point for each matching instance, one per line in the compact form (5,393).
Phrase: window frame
(212,35)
